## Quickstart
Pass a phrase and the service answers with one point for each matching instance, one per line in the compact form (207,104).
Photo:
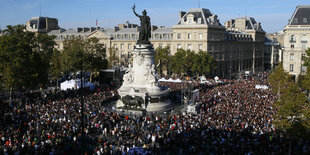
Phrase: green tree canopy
(290,115)
(203,63)
(96,54)
(56,69)
(113,57)
(304,80)
(87,54)
(292,106)
(24,57)
(162,57)
(189,62)
(74,55)
(278,80)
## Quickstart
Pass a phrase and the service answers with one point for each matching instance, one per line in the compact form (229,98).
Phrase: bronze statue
(145,27)
(135,102)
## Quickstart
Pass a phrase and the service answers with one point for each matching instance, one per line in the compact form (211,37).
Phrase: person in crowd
(235,118)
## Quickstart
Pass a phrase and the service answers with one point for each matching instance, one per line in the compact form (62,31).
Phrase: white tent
(261,87)
(67,85)
(75,84)
(169,80)
(178,80)
(162,80)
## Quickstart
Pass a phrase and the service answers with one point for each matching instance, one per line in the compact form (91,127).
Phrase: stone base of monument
(140,81)
(151,107)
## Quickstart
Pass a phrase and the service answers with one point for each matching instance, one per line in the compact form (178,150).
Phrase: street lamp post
(230,67)
(82,102)
(82,99)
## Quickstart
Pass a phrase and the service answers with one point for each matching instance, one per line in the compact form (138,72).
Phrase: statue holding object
(145,27)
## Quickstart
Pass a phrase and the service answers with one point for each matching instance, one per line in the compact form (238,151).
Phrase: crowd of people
(235,118)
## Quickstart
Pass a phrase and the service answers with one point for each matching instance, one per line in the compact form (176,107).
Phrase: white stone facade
(140,81)
(296,41)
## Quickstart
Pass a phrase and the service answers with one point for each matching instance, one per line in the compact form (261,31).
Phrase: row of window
(162,36)
(303,46)
(62,37)
(134,36)
(292,56)
(303,39)
(189,46)
(128,55)
(304,20)
(129,47)
(189,36)
(125,36)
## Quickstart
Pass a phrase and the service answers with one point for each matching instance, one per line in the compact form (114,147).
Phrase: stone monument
(140,90)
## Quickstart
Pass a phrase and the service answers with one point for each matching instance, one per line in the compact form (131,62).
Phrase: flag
(96,22)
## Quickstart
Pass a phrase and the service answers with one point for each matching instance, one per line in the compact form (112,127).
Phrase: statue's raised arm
(134,10)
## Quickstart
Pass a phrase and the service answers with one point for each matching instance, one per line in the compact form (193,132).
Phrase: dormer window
(304,20)
(190,19)
(295,20)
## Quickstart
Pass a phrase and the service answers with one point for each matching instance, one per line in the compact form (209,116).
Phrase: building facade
(42,24)
(272,52)
(237,47)
(296,41)
(61,35)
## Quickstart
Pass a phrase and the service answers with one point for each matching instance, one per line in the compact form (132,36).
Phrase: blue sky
(273,14)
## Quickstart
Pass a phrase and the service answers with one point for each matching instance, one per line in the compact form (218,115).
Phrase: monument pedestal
(140,81)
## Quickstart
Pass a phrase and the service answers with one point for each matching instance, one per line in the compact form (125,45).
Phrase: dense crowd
(235,118)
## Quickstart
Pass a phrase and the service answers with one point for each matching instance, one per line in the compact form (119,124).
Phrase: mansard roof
(301,16)
(163,30)
(244,23)
(127,30)
(199,16)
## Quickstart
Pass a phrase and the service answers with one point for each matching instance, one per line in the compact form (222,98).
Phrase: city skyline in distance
(273,14)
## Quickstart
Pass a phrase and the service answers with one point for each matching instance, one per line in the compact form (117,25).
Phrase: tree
(45,46)
(56,68)
(278,80)
(24,58)
(80,54)
(290,115)
(304,80)
(203,63)
(74,55)
(188,62)
(292,106)
(162,57)
(113,57)
(96,56)
(177,62)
